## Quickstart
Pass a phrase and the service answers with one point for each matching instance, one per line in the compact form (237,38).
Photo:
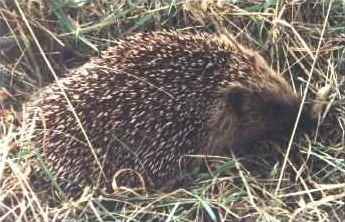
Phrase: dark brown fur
(153,99)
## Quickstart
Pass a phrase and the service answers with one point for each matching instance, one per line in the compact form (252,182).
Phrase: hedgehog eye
(274,109)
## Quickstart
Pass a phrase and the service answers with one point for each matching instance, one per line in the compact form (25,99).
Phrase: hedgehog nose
(307,122)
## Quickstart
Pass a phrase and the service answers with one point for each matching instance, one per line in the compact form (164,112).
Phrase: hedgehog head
(266,117)
(265,105)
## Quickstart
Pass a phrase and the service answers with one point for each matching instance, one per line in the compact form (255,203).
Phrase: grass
(304,41)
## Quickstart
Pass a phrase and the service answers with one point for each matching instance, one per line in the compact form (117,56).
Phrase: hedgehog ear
(235,98)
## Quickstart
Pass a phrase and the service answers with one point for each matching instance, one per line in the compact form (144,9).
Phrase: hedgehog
(142,106)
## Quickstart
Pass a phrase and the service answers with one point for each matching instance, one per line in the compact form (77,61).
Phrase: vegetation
(303,40)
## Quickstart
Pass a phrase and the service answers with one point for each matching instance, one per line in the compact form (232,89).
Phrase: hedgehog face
(261,117)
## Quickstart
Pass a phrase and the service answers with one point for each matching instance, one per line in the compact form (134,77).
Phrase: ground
(303,40)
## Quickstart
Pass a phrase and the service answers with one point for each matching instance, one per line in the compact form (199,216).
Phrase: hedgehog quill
(154,98)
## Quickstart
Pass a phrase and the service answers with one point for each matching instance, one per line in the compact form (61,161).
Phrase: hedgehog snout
(307,121)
